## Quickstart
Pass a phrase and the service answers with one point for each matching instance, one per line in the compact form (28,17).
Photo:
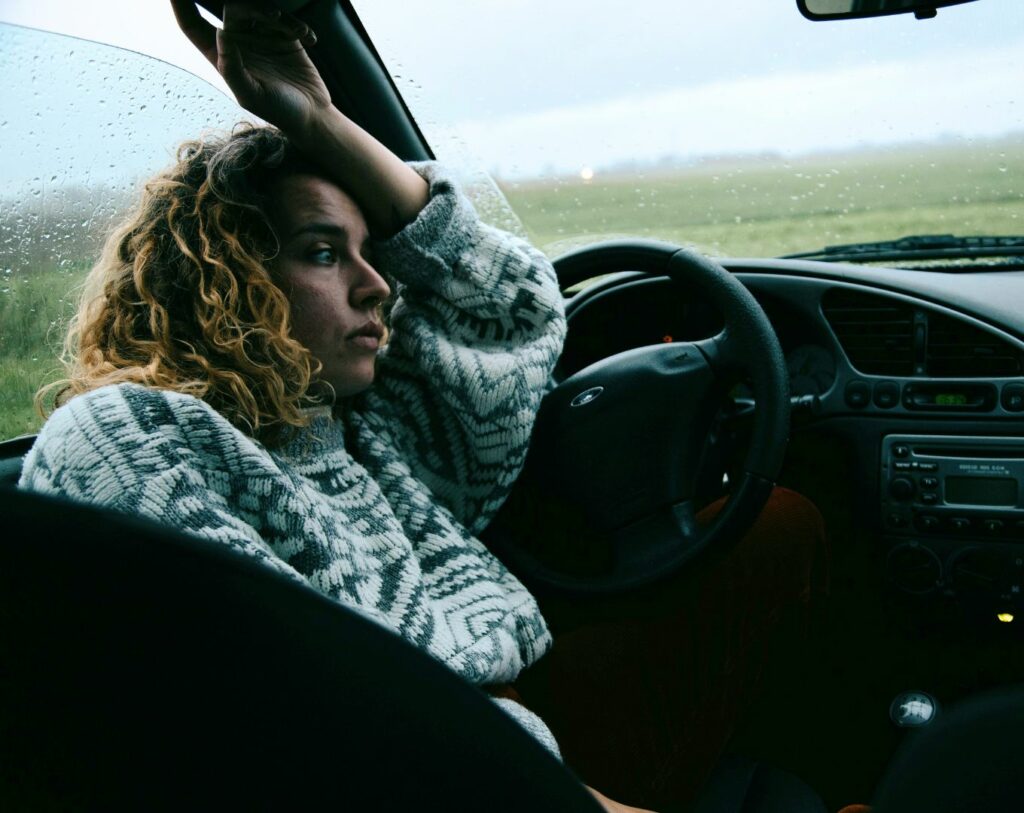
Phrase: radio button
(903,465)
(930,498)
(896,521)
(929,482)
(900,450)
(1013,398)
(926,466)
(992,526)
(926,522)
(902,488)
(960,524)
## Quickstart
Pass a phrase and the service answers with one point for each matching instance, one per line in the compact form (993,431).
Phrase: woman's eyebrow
(332,229)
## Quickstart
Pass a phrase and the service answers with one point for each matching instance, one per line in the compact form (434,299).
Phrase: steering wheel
(617,446)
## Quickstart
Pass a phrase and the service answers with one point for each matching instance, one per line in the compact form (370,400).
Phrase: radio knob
(902,488)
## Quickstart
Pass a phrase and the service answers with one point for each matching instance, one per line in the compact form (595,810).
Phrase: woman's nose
(370,289)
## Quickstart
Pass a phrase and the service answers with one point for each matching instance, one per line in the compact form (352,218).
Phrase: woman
(224,353)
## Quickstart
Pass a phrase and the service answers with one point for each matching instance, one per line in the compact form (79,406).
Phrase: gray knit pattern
(377,504)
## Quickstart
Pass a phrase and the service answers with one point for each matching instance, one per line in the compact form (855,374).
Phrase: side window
(82,125)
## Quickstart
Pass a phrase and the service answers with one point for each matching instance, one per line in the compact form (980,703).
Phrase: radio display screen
(981,490)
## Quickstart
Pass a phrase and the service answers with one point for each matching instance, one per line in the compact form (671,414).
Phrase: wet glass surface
(81,126)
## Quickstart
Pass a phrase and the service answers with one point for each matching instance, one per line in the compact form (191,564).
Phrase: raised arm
(477,328)
(261,53)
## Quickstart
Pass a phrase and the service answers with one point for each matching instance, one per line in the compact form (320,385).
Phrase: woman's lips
(367,337)
(365,341)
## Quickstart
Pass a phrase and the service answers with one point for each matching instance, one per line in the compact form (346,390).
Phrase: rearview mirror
(850,9)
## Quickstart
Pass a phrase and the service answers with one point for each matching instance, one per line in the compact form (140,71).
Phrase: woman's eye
(324,255)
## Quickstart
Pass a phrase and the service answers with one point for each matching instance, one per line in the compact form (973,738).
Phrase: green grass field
(753,208)
(768,208)
(34,313)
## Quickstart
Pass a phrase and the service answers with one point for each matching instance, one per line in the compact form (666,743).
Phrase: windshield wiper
(918,247)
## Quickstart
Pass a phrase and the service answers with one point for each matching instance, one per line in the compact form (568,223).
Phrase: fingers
(200,33)
(240,19)
(304,33)
(266,21)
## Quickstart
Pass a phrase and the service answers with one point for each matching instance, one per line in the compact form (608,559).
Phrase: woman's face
(324,269)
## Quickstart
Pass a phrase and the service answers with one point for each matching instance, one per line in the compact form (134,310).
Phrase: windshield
(739,127)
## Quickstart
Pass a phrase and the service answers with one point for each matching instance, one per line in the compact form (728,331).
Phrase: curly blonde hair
(183,297)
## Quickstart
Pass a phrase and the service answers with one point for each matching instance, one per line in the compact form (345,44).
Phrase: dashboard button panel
(858,394)
(1013,397)
(886,394)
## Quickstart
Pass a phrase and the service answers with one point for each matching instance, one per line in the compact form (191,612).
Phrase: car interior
(883,382)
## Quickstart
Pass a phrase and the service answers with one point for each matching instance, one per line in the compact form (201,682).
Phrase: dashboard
(859,349)
(919,374)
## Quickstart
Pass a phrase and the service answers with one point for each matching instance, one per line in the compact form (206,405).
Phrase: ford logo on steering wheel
(587,396)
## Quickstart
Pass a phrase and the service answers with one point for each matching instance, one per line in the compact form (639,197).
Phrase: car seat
(143,668)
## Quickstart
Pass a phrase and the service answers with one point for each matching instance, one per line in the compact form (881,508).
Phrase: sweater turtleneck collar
(323,432)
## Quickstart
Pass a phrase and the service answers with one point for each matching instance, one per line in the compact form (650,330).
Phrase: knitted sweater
(376,505)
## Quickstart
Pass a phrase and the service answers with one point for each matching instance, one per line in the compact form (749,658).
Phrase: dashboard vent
(876,332)
(960,350)
(884,336)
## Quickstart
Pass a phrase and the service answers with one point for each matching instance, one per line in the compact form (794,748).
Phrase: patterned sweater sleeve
(477,327)
(150,453)
(531,722)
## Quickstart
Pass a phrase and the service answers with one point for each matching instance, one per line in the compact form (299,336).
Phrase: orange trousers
(643,703)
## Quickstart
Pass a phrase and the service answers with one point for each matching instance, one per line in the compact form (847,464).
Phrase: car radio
(953,486)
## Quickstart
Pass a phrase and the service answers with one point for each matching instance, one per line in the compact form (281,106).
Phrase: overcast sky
(562,82)
(529,85)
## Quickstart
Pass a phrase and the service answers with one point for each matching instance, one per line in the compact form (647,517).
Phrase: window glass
(739,126)
(81,125)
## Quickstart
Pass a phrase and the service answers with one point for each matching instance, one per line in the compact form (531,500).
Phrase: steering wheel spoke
(723,356)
